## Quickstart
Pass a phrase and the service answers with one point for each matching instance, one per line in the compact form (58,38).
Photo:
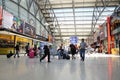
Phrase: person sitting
(60,52)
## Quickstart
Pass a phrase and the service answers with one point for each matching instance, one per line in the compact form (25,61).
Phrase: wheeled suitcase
(67,57)
(31,54)
(9,55)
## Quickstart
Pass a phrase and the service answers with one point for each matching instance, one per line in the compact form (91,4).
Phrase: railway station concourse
(28,26)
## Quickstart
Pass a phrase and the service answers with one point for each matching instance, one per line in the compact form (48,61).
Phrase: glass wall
(28,11)
(38,27)
(12,9)
(23,3)
(24,15)
(0,3)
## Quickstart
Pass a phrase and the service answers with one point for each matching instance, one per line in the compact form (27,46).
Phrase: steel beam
(73,5)
(72,35)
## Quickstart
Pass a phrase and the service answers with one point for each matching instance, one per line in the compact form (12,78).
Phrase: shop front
(23,42)
(6,43)
(115,32)
(9,40)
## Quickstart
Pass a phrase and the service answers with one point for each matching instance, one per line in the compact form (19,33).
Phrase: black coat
(46,50)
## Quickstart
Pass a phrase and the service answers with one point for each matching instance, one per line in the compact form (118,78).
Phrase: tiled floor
(97,67)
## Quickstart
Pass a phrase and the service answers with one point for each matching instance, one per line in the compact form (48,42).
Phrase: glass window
(24,4)
(38,15)
(12,9)
(65,18)
(30,1)
(81,30)
(62,10)
(23,14)
(83,26)
(32,8)
(84,14)
(41,15)
(66,22)
(16,1)
(37,27)
(46,34)
(32,20)
(0,3)
(82,33)
(35,7)
(59,15)
(42,31)
(67,30)
(43,21)
(84,9)
(66,26)
(83,22)
(68,33)
(83,18)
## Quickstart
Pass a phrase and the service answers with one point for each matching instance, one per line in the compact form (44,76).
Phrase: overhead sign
(73,39)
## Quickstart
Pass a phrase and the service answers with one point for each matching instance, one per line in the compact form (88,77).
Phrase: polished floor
(95,67)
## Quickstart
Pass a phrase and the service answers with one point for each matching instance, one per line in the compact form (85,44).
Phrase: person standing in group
(35,50)
(39,52)
(73,50)
(46,53)
(27,47)
(17,48)
(82,50)
(60,52)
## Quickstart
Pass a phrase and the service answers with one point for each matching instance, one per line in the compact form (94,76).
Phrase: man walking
(27,47)
(46,53)
(17,48)
(82,50)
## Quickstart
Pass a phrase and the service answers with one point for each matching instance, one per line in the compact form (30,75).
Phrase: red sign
(0,16)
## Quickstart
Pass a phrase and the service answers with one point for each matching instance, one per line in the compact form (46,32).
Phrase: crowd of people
(62,53)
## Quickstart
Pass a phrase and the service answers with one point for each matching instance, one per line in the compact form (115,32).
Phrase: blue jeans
(60,54)
(82,54)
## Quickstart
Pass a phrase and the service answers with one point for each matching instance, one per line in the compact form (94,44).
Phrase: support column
(15,41)
(108,35)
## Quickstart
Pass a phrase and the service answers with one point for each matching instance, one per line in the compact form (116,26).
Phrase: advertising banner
(29,30)
(11,22)
(17,25)
(7,19)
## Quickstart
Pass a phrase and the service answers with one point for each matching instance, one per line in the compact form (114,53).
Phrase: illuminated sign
(73,39)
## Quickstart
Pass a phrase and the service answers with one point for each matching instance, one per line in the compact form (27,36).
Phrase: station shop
(14,30)
(108,35)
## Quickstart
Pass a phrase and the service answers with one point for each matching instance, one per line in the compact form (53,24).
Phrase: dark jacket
(46,49)
(17,47)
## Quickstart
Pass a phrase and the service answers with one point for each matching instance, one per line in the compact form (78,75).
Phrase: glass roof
(75,17)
